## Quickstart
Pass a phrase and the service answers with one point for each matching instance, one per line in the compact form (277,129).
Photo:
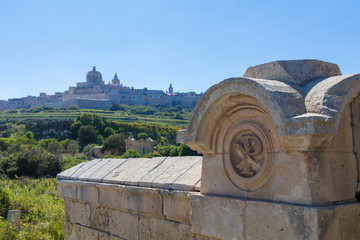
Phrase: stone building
(280,160)
(95,94)
(142,146)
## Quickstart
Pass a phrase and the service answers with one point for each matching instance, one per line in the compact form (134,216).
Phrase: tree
(108,132)
(73,147)
(131,153)
(184,150)
(142,136)
(87,135)
(115,142)
(55,147)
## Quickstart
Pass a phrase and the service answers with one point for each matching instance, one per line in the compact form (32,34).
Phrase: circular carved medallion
(249,161)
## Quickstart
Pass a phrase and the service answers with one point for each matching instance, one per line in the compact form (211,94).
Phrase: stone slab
(175,171)
(147,180)
(150,165)
(84,168)
(125,170)
(67,173)
(190,177)
(106,169)
(95,168)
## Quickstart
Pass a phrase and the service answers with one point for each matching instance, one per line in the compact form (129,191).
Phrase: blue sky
(47,46)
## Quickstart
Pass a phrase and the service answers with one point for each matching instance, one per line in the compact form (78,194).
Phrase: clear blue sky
(49,45)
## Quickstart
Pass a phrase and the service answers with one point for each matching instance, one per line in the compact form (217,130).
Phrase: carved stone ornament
(249,161)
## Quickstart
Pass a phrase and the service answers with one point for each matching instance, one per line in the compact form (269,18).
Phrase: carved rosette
(249,159)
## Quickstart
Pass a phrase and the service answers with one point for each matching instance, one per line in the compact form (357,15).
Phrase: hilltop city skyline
(48,45)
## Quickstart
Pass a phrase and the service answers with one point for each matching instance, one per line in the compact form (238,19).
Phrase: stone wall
(130,198)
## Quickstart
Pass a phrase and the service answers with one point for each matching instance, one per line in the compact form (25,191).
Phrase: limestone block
(176,206)
(80,213)
(339,222)
(69,172)
(114,198)
(88,193)
(105,170)
(147,180)
(99,218)
(218,217)
(67,204)
(275,221)
(294,71)
(176,170)
(190,177)
(150,164)
(67,190)
(150,228)
(175,230)
(146,203)
(87,175)
(77,232)
(123,224)
(125,170)
(86,167)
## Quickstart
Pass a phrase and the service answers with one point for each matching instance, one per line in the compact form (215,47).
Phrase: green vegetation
(161,116)
(42,211)
(41,142)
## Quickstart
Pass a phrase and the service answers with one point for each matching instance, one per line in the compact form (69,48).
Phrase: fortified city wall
(95,94)
(280,161)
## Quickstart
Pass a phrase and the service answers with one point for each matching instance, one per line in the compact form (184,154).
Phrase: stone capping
(297,72)
(314,108)
(173,173)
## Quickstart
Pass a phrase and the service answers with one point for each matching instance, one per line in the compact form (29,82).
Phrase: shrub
(131,153)
(152,155)
(5,201)
(184,150)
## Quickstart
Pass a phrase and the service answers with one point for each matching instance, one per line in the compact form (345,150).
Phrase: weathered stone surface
(69,172)
(294,71)
(178,169)
(144,202)
(90,172)
(67,190)
(99,218)
(150,164)
(112,197)
(151,228)
(125,170)
(123,224)
(176,206)
(86,167)
(272,221)
(218,217)
(88,193)
(106,170)
(80,213)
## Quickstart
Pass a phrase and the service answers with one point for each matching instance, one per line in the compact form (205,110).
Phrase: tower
(115,81)
(171,90)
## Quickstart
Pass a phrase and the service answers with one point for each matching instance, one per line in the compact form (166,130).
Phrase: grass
(43,213)
(120,116)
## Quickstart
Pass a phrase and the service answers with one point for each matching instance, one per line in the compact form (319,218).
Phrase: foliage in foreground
(42,211)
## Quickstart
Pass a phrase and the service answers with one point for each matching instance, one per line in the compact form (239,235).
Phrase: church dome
(94,77)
